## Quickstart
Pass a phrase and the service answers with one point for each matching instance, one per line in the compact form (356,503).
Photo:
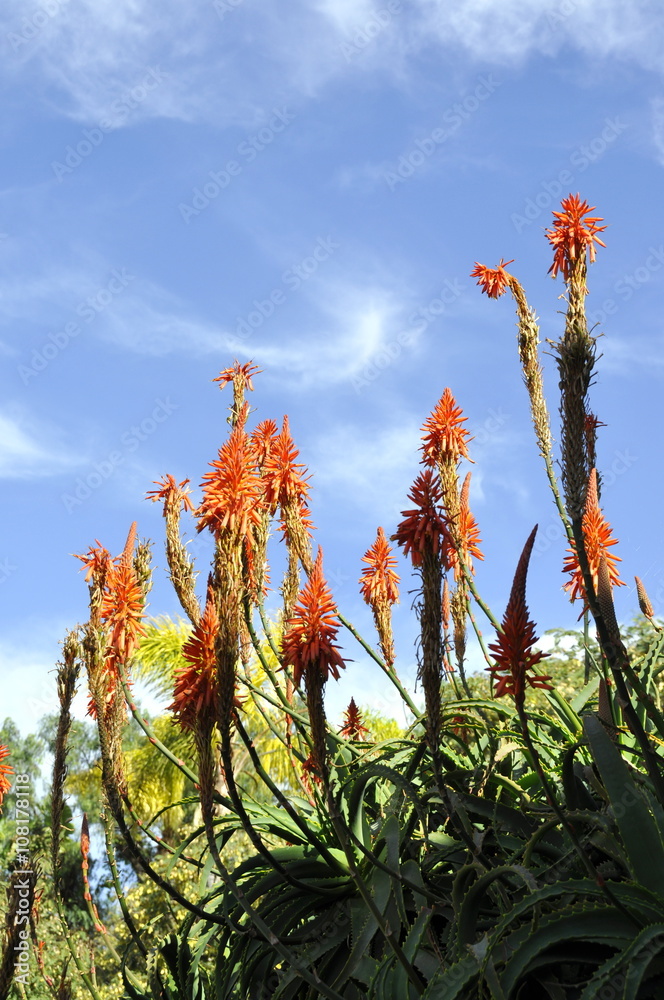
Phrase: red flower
(122,607)
(233,491)
(96,562)
(468,532)
(262,440)
(286,486)
(196,692)
(239,375)
(598,540)
(353,729)
(574,231)
(379,584)
(122,604)
(5,769)
(284,479)
(426,524)
(512,650)
(85,839)
(308,639)
(444,437)
(310,772)
(171,493)
(493,283)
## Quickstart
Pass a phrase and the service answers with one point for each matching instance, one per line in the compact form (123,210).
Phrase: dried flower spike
(467,535)
(644,601)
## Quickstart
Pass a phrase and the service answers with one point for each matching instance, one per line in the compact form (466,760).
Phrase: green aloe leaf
(533,948)
(628,967)
(638,829)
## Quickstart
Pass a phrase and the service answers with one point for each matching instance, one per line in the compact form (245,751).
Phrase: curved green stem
(390,672)
(119,891)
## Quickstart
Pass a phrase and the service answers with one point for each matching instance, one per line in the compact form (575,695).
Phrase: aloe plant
(507,846)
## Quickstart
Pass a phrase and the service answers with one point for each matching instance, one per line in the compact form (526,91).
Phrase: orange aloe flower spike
(5,769)
(598,540)
(493,283)
(233,491)
(379,583)
(238,374)
(309,634)
(353,728)
(574,231)
(513,654)
(96,562)
(285,481)
(172,494)
(123,603)
(262,440)
(196,691)
(426,523)
(444,437)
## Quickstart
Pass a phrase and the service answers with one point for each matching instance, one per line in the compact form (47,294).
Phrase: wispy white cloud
(657,111)
(347,323)
(338,344)
(507,31)
(377,469)
(633,354)
(31,451)
(155,323)
(92,57)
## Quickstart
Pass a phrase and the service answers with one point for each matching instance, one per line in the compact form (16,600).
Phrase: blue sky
(308,185)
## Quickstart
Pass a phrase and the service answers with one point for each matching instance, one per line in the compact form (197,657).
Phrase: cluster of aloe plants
(510,846)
